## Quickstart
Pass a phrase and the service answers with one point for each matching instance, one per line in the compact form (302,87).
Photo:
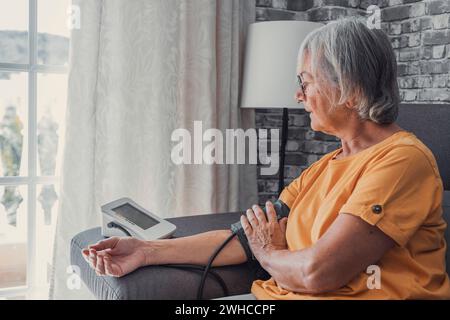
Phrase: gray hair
(360,63)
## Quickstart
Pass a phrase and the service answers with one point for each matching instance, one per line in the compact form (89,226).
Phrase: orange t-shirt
(400,175)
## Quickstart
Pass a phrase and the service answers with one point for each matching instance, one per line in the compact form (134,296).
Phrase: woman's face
(323,116)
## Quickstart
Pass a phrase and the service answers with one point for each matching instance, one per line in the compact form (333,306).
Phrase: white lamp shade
(270,66)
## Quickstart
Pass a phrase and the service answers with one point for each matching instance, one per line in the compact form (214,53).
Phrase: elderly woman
(370,210)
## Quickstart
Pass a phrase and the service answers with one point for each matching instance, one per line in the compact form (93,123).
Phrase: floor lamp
(269,79)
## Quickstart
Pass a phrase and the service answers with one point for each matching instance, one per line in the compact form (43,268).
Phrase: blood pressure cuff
(282,211)
(243,240)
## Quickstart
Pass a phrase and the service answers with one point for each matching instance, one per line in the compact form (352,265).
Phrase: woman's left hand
(263,233)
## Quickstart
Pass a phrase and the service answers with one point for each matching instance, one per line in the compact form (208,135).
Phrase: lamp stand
(284,134)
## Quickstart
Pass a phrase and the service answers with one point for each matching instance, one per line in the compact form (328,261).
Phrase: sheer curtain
(139,70)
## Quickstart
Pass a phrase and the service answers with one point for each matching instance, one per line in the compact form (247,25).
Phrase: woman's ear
(351,102)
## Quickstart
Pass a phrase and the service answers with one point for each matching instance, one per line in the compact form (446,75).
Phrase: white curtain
(139,70)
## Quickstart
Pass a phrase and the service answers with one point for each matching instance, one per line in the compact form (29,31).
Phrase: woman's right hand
(115,256)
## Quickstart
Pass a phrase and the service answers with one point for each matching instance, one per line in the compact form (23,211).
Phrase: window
(34,46)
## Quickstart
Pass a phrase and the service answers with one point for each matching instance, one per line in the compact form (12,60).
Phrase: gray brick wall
(420,35)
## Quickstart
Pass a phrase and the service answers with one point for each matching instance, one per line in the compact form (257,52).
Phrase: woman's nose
(299,96)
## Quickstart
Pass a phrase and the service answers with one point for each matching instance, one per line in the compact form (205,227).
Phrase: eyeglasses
(301,85)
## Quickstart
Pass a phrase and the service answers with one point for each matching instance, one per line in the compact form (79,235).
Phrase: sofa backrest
(431,124)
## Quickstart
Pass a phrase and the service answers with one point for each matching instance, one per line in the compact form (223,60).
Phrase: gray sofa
(431,123)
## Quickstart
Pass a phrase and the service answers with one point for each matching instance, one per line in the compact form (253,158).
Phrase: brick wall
(420,35)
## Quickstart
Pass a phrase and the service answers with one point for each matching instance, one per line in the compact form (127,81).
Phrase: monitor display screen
(136,216)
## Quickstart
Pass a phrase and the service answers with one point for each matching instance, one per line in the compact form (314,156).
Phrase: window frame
(32,180)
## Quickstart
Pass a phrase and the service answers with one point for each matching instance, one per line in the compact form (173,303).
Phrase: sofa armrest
(164,283)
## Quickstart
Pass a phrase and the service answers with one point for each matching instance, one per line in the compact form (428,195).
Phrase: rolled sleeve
(396,193)
(291,192)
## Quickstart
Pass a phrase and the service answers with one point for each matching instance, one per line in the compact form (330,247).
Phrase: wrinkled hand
(264,233)
(115,256)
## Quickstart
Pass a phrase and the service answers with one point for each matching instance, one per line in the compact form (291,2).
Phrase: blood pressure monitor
(124,217)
